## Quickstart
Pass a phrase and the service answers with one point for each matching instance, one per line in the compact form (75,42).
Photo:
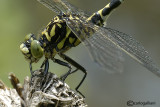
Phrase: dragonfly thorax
(57,36)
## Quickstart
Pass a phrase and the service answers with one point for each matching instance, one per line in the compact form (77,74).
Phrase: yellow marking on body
(54,52)
(59,25)
(71,17)
(100,12)
(77,42)
(56,19)
(68,31)
(71,40)
(52,33)
(49,23)
(60,45)
(107,6)
(89,19)
(47,36)
(44,44)
(77,18)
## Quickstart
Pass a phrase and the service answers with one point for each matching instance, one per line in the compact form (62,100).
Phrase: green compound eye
(28,36)
(36,49)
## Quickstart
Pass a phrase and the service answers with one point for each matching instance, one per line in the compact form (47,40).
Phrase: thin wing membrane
(59,6)
(106,44)
(55,5)
(134,49)
(100,47)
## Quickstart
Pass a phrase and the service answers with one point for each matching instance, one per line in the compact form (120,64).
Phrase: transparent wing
(54,5)
(106,44)
(59,6)
(103,51)
(134,49)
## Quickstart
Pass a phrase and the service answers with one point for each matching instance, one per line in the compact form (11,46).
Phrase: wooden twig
(41,91)
(9,97)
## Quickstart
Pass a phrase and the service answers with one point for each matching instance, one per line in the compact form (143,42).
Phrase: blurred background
(139,18)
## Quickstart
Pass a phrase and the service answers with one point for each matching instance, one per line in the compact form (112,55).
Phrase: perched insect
(73,26)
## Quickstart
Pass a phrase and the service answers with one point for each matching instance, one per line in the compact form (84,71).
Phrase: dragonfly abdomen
(102,15)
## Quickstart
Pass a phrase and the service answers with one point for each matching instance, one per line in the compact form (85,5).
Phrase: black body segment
(107,9)
(101,16)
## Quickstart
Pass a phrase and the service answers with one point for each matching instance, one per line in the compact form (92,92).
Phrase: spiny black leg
(63,77)
(85,74)
(46,66)
(78,66)
(30,66)
(74,71)
(43,63)
(80,81)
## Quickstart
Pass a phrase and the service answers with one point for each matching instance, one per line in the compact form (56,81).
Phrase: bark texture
(39,91)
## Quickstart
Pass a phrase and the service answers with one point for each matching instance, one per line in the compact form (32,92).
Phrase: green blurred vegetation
(14,20)
(134,17)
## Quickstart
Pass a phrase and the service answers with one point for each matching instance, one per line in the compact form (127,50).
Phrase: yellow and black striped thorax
(57,36)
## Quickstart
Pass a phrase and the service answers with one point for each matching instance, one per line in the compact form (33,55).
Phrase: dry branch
(39,91)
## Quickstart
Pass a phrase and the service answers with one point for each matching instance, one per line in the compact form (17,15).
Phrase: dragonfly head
(31,48)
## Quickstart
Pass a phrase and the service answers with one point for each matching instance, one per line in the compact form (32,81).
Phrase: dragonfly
(73,26)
